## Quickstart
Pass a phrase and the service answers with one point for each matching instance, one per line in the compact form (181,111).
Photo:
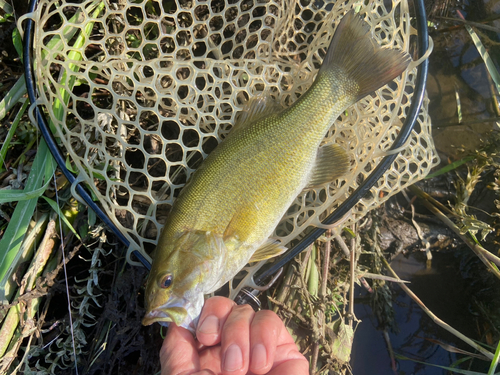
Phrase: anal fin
(269,249)
(331,163)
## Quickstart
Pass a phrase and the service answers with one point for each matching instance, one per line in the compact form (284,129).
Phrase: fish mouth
(184,312)
(166,315)
(157,316)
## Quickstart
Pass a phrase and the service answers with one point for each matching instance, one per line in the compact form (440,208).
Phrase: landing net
(140,92)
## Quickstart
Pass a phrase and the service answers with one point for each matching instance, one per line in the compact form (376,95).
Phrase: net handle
(49,138)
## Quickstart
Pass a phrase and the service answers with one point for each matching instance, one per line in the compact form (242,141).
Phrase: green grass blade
(8,335)
(56,43)
(11,195)
(16,230)
(12,97)
(453,370)
(59,106)
(490,65)
(57,209)
(451,166)
(6,7)
(313,279)
(10,134)
(19,223)
(9,326)
(459,361)
(35,232)
(494,362)
(18,43)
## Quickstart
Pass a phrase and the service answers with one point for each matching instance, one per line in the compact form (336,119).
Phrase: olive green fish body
(250,179)
(233,202)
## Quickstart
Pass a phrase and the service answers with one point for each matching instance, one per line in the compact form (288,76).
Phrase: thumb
(179,354)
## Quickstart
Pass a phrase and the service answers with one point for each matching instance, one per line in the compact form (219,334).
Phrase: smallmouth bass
(225,214)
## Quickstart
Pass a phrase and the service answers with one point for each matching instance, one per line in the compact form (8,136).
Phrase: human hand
(232,340)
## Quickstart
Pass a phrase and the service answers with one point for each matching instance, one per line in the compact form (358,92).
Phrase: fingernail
(233,360)
(210,325)
(259,357)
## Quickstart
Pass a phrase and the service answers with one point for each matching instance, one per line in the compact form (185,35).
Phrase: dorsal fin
(257,108)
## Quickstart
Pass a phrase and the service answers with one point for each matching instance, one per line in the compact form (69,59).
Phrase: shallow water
(456,69)
(441,288)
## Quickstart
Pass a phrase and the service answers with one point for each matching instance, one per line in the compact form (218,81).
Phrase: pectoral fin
(269,249)
(331,163)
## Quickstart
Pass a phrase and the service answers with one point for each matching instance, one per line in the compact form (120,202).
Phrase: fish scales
(225,214)
(240,176)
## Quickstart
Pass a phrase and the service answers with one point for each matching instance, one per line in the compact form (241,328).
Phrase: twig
(305,292)
(48,281)
(307,255)
(322,295)
(326,265)
(481,252)
(352,270)
(314,358)
(422,194)
(427,245)
(314,322)
(375,276)
(16,315)
(44,252)
(342,245)
(285,288)
(391,352)
(287,309)
(25,355)
(471,122)
(471,23)
(435,319)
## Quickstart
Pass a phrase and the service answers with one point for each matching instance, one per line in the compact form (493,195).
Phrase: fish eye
(166,281)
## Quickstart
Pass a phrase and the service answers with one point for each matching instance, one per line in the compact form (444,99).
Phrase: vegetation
(73,305)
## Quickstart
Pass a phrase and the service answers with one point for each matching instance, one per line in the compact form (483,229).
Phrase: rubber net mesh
(140,92)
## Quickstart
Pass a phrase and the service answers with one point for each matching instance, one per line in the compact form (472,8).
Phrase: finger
(291,367)
(212,319)
(235,341)
(269,329)
(287,357)
(265,331)
(285,337)
(178,354)
(210,359)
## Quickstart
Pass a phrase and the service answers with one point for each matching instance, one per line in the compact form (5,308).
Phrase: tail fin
(354,50)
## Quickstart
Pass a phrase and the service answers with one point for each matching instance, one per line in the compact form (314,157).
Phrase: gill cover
(188,267)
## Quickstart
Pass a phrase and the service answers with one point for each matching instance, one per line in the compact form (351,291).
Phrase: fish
(225,214)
